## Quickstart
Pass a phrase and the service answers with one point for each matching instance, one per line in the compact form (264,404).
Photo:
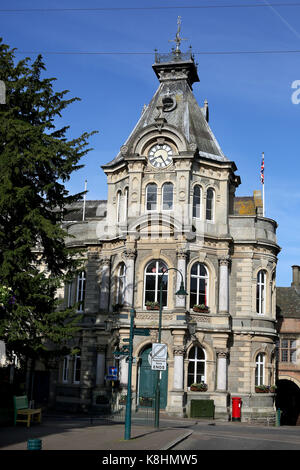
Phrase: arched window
(126,192)
(197,202)
(260,369)
(151,197)
(210,204)
(80,295)
(121,273)
(65,371)
(153,277)
(70,294)
(199,285)
(261,293)
(167,197)
(77,369)
(196,367)
(118,206)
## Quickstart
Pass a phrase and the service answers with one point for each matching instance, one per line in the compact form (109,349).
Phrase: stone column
(224,285)
(221,370)
(178,368)
(104,272)
(130,256)
(100,367)
(181,266)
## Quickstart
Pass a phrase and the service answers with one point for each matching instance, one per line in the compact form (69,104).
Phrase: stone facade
(171,202)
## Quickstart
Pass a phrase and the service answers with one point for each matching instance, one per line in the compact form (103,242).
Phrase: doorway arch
(147,379)
(288,401)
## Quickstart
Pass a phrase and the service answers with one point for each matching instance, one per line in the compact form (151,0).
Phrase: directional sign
(141,332)
(159,356)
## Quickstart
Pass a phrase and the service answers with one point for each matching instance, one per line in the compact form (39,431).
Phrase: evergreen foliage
(36,159)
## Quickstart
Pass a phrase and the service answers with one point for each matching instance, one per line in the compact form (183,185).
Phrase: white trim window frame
(80,294)
(210,205)
(260,369)
(151,279)
(121,284)
(261,292)
(167,196)
(151,197)
(198,364)
(70,292)
(199,278)
(65,370)
(126,196)
(197,199)
(119,194)
(77,369)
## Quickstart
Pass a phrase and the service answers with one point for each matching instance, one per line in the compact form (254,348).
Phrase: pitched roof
(93,209)
(186,116)
(287,302)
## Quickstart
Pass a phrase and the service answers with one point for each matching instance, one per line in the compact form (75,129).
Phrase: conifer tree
(36,160)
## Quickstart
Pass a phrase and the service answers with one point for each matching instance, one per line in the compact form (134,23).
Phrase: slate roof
(93,209)
(187,116)
(288,302)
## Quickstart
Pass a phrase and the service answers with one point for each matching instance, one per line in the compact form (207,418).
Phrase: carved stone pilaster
(129,254)
(224,260)
(181,253)
(177,351)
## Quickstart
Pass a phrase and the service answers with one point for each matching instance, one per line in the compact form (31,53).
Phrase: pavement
(79,433)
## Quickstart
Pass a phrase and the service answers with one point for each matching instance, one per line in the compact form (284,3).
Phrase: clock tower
(172,215)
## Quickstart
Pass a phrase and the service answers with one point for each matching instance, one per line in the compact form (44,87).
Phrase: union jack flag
(262,169)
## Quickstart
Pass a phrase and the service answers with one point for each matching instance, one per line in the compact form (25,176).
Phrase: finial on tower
(178,39)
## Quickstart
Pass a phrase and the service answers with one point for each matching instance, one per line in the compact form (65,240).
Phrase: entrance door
(147,381)
(288,401)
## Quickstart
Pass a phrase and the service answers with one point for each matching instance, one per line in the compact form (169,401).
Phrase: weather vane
(178,39)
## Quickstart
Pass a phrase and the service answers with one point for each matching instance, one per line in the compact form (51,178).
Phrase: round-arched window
(196,366)
(199,285)
(153,279)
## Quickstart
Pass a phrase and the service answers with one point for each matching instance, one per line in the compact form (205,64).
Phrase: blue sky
(249,95)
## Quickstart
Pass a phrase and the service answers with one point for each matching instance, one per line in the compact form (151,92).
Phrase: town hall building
(171,215)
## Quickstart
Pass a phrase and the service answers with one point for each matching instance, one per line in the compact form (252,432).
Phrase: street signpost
(159,356)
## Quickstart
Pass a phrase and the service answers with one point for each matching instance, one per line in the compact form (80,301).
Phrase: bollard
(34,444)
(278,416)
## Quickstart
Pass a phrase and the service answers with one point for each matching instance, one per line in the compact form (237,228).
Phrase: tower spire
(178,39)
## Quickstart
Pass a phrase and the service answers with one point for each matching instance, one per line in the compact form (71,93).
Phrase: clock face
(160,156)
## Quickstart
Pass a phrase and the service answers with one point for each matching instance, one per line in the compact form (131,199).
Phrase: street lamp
(181,291)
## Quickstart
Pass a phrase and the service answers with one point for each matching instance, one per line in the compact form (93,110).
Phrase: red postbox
(236,409)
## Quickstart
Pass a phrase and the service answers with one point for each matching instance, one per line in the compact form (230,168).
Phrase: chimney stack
(296,277)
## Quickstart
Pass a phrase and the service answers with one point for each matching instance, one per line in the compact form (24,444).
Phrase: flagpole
(263,181)
(83,212)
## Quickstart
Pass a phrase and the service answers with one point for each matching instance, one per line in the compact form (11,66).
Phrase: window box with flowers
(261,389)
(152,305)
(201,387)
(146,401)
(201,308)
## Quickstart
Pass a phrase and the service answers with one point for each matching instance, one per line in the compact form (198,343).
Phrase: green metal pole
(127,434)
